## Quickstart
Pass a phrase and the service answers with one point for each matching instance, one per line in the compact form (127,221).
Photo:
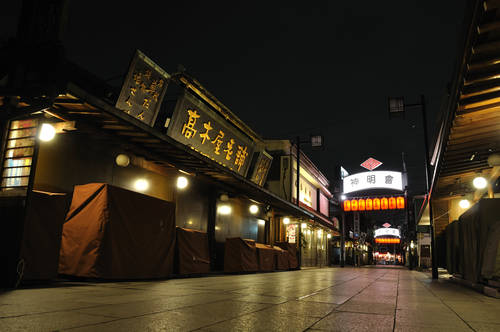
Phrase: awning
(93,114)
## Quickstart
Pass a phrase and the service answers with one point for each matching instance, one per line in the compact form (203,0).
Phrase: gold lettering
(188,129)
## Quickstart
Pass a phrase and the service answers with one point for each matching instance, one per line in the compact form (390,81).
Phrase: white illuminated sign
(387,232)
(373,180)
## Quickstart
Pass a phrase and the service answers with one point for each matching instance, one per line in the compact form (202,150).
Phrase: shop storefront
(313,234)
(163,144)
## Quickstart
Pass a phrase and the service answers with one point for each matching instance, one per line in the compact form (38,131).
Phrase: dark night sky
(289,68)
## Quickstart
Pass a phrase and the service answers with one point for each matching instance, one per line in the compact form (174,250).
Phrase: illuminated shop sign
(261,168)
(373,180)
(143,89)
(388,240)
(373,204)
(196,125)
(387,232)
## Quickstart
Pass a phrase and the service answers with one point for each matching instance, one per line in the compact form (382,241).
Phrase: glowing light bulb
(254,209)
(286,220)
(182,182)
(480,182)
(464,204)
(47,132)
(141,184)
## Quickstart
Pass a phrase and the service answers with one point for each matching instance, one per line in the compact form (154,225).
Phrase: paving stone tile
(368,307)
(434,318)
(484,327)
(348,321)
(265,321)
(49,321)
(12,310)
(471,311)
(126,310)
(303,308)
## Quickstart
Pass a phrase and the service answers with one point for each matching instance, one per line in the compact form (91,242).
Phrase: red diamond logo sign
(370,164)
(386,225)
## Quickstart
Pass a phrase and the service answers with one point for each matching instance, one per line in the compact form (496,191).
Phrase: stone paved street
(328,299)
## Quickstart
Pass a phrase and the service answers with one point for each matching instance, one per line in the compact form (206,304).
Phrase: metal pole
(297,199)
(342,242)
(428,185)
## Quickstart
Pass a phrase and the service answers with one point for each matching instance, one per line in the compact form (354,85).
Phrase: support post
(428,186)
(342,241)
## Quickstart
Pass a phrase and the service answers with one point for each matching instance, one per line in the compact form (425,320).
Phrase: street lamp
(398,107)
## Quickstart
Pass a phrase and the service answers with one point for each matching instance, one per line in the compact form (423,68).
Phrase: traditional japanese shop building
(315,232)
(164,136)
(464,195)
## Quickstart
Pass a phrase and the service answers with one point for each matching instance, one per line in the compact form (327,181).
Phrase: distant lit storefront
(316,231)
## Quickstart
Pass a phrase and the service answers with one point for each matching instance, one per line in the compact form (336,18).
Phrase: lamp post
(398,107)
(315,141)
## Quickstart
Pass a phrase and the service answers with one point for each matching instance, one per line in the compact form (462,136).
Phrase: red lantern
(376,203)
(392,203)
(400,202)
(369,204)
(347,205)
(384,203)
(361,204)
(354,205)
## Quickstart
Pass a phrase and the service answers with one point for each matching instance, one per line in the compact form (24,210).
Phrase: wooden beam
(475,131)
(488,27)
(491,5)
(474,138)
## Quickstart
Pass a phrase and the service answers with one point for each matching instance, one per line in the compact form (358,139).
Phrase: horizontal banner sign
(373,180)
(196,125)
(387,232)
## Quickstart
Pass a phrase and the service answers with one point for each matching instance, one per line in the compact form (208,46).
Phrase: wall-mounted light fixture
(225,209)
(262,222)
(47,132)
(303,225)
(464,204)
(479,182)
(141,184)
(182,182)
(254,209)
(286,220)
(329,236)
(122,160)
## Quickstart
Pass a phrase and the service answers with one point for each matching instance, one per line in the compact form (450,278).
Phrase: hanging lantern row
(388,240)
(370,204)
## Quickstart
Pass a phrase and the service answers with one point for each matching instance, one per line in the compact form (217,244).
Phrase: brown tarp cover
(480,228)
(453,249)
(281,258)
(265,255)
(240,255)
(292,253)
(42,235)
(192,251)
(115,233)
